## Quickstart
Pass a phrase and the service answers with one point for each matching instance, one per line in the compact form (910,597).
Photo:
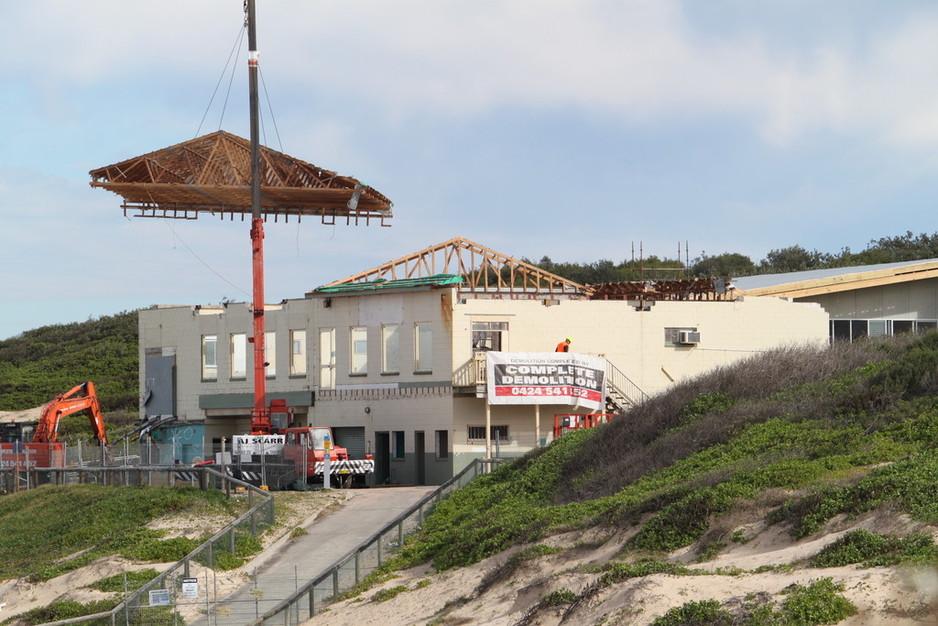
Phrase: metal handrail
(618,382)
(436,496)
(228,481)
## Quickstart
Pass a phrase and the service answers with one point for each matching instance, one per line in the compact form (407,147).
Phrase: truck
(45,449)
(568,422)
(294,453)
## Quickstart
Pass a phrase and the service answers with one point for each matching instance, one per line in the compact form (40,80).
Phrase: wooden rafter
(211,174)
(483,269)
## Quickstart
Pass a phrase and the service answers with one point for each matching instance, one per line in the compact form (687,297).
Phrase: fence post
(335,583)
(358,576)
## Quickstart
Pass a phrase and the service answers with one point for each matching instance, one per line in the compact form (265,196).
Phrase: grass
(38,542)
(850,428)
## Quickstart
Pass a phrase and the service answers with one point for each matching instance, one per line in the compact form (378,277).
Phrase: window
(390,349)
(397,444)
(489,335)
(499,433)
(442,444)
(238,349)
(852,330)
(423,348)
(270,354)
(359,351)
(327,358)
(297,353)
(209,357)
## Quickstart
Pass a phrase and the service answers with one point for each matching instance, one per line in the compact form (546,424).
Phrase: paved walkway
(330,538)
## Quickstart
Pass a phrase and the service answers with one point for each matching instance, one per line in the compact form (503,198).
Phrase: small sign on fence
(190,588)
(159,597)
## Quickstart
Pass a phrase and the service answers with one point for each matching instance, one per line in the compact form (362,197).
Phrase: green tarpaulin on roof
(384,285)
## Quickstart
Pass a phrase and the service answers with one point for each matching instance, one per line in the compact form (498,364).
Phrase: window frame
(270,354)
(390,349)
(209,365)
(499,432)
(298,364)
(234,359)
(358,360)
(423,348)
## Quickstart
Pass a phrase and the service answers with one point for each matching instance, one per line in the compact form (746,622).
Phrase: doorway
(420,455)
(382,458)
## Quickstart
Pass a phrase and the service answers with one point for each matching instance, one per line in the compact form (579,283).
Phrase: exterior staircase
(621,392)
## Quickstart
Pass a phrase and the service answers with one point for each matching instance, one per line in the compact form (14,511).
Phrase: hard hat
(569,340)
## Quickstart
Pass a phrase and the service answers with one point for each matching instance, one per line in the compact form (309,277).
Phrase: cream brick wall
(634,341)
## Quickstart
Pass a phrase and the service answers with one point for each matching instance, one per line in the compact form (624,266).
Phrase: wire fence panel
(313,597)
(268,599)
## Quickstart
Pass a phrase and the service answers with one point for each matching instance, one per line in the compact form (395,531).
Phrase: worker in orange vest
(564,346)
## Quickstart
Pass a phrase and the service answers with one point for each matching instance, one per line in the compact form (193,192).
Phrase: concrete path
(300,560)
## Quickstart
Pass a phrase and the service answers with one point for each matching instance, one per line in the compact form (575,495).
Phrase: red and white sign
(546,378)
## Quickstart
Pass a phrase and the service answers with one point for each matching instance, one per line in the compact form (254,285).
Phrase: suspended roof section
(482,270)
(212,174)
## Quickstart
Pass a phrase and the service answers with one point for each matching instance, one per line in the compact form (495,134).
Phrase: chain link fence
(187,592)
(314,596)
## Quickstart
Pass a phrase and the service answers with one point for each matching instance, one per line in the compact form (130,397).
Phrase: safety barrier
(355,566)
(136,607)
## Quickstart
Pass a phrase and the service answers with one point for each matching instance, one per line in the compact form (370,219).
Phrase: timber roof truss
(212,174)
(484,271)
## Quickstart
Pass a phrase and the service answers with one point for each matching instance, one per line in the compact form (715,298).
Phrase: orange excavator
(78,398)
(45,450)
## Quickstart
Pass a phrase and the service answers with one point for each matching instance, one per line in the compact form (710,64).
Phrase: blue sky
(566,128)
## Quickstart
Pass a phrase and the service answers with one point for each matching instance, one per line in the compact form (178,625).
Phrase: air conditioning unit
(689,337)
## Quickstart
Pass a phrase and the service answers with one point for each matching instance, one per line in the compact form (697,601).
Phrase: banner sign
(546,378)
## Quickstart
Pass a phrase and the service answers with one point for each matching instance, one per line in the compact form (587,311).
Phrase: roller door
(353,438)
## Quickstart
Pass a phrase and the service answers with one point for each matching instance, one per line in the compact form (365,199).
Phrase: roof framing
(483,269)
(212,174)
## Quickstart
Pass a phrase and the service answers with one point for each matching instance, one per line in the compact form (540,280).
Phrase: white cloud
(630,62)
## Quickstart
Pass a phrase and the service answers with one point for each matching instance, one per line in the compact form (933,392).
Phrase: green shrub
(65,609)
(133,579)
(876,550)
(702,613)
(703,404)
(683,522)
(818,603)
(383,595)
(559,597)
(617,572)
(161,550)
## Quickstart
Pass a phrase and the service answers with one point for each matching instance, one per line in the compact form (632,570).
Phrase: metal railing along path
(136,608)
(356,565)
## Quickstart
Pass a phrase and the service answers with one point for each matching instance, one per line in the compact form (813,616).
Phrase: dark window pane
(841,330)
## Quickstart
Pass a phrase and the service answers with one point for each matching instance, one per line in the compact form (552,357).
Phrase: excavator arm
(76,399)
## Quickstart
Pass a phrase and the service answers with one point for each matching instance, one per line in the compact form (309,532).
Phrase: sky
(579,130)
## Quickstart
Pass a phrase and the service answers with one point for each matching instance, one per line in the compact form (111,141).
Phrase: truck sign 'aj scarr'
(295,453)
